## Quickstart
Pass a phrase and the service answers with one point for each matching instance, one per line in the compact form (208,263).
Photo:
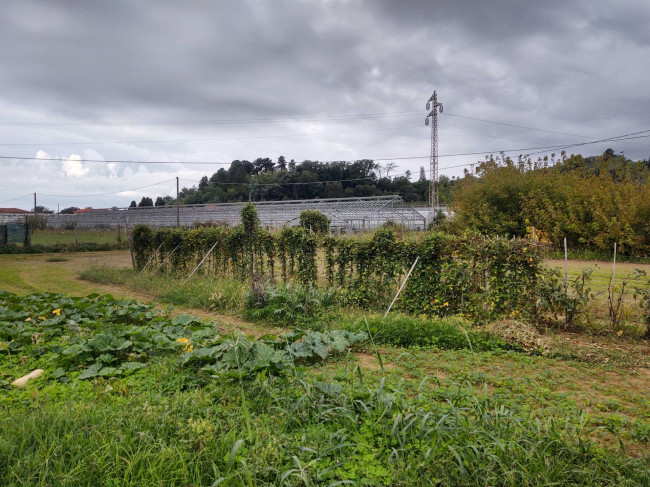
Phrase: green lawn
(602,275)
(62,236)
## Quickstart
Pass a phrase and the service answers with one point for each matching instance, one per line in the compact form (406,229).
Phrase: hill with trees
(265,180)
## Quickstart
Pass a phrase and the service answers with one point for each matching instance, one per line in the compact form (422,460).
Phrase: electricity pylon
(435,107)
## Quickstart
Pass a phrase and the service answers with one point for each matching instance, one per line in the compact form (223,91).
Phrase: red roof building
(13,210)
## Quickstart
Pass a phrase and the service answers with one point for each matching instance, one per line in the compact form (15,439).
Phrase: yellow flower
(188,344)
(620,332)
(57,312)
(28,319)
(41,317)
(446,304)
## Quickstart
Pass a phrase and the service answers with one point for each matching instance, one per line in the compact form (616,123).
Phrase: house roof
(13,210)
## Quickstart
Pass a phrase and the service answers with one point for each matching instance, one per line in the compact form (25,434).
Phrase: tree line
(266,180)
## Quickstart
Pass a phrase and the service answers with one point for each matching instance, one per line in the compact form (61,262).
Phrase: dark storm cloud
(199,59)
(573,66)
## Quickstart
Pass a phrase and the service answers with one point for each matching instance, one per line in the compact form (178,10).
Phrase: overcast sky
(300,79)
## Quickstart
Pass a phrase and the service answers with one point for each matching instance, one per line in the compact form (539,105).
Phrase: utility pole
(34,204)
(178,206)
(435,107)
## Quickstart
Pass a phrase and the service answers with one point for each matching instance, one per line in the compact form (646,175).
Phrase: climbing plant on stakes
(482,278)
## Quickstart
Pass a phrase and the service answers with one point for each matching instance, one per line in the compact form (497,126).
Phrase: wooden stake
(566,269)
(202,261)
(614,267)
(128,238)
(150,258)
(167,258)
(402,286)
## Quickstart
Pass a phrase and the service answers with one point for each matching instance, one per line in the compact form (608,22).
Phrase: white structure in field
(345,214)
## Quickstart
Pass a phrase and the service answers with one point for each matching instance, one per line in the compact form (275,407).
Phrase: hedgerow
(480,277)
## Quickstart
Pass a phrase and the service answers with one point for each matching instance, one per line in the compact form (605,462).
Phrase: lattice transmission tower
(435,107)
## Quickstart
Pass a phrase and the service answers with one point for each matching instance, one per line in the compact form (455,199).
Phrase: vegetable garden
(133,396)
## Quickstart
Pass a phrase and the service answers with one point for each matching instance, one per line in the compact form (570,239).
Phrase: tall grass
(200,292)
(403,330)
(297,432)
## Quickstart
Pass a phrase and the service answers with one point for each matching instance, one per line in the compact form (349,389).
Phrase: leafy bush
(315,221)
(471,275)
(553,299)
(289,305)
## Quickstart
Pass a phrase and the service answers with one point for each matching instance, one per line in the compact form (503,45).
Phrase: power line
(207,139)
(517,126)
(18,198)
(105,194)
(545,148)
(221,121)
(117,161)
(631,136)
(520,126)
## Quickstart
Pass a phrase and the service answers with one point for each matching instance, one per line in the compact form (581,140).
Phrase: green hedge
(61,248)
(480,277)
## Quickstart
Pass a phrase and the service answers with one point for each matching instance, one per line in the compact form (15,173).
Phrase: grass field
(62,236)
(602,275)
(170,426)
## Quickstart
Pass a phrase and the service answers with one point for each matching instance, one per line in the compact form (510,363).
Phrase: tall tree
(145,201)
(282,163)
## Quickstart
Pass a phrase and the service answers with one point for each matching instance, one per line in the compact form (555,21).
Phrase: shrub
(315,221)
(289,305)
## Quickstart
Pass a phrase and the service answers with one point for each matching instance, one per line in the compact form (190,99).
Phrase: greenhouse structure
(345,214)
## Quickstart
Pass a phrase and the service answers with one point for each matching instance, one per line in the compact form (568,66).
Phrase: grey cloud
(576,66)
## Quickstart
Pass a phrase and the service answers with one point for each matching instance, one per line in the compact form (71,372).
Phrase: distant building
(13,211)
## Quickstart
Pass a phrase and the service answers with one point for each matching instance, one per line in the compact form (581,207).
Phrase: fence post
(614,267)
(566,269)
(129,239)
